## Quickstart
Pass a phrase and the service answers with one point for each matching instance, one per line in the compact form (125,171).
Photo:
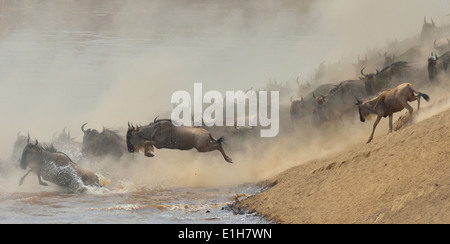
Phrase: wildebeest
(438,65)
(428,29)
(67,144)
(56,167)
(103,143)
(164,134)
(390,76)
(339,101)
(302,107)
(388,102)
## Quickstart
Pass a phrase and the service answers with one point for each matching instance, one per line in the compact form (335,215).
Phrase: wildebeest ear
(358,102)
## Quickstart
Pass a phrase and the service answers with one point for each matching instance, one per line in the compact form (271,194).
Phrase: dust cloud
(64,63)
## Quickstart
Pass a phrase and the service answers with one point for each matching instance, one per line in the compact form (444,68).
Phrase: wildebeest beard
(361,118)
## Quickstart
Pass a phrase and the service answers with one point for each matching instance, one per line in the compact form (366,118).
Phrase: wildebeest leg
(40,181)
(228,159)
(374,126)
(418,103)
(390,123)
(148,148)
(212,144)
(23,177)
(408,107)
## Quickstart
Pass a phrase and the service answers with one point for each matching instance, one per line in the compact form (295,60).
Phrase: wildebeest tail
(221,140)
(425,96)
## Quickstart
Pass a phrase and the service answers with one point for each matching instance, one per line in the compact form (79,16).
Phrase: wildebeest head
(427,30)
(89,134)
(370,80)
(318,113)
(365,109)
(130,131)
(29,153)
(388,59)
(296,108)
(432,59)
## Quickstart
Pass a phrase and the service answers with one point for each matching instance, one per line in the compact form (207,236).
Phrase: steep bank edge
(402,177)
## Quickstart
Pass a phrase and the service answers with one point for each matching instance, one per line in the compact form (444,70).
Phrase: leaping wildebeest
(164,134)
(388,102)
(56,167)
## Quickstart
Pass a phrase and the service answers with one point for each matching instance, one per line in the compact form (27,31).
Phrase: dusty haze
(64,63)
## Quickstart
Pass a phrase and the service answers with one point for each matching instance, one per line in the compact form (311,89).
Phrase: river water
(146,205)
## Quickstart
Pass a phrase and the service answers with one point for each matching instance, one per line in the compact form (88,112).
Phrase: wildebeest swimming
(388,102)
(56,167)
(164,134)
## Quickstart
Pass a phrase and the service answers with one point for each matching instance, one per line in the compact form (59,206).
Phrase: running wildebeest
(164,134)
(56,167)
(103,143)
(338,102)
(388,102)
(428,30)
(302,107)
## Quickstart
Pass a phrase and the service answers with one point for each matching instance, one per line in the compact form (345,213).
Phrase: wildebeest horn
(358,102)
(314,95)
(433,22)
(301,98)
(362,71)
(154,121)
(82,127)
(435,43)
(130,126)
(36,142)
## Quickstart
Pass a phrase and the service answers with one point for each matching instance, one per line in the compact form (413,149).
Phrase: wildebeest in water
(56,167)
(163,134)
(388,102)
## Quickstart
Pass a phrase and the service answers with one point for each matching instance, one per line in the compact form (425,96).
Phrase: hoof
(229,160)
(150,155)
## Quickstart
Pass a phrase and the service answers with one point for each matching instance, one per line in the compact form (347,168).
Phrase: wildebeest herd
(397,78)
